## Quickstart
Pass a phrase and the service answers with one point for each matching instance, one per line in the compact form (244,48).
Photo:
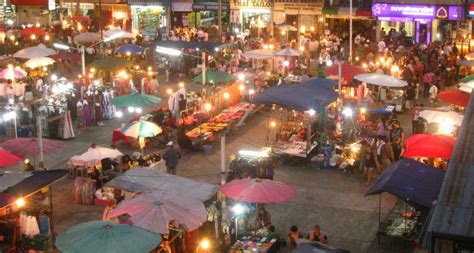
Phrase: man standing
(433,92)
(171,158)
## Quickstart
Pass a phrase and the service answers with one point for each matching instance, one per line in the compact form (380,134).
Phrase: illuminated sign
(448,12)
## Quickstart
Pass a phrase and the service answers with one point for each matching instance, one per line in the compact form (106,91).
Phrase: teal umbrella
(105,237)
(215,77)
(135,100)
(467,79)
(110,63)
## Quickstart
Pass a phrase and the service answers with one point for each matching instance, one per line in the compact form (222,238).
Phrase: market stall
(296,132)
(26,210)
(423,182)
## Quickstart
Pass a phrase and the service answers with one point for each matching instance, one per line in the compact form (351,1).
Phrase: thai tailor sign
(447,12)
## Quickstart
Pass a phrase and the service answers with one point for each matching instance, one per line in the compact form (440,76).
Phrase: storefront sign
(51,5)
(82,6)
(301,8)
(210,6)
(183,6)
(448,12)
(470,10)
(251,3)
(147,2)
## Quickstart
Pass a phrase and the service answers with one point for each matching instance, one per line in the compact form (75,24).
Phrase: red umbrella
(33,30)
(455,97)
(29,146)
(66,56)
(431,146)
(7,158)
(348,71)
(81,18)
(258,190)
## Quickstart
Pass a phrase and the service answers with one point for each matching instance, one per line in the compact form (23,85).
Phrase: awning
(30,2)
(416,183)
(144,179)
(182,6)
(344,12)
(313,94)
(31,184)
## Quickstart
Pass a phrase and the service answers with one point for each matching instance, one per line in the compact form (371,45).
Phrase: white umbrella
(94,155)
(87,37)
(381,80)
(124,34)
(288,28)
(288,52)
(33,52)
(440,117)
(467,87)
(258,54)
(39,62)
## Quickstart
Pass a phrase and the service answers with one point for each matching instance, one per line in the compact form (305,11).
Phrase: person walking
(171,157)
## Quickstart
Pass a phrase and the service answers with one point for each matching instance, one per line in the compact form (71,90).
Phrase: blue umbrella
(105,237)
(130,48)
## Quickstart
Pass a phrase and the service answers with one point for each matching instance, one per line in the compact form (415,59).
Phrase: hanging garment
(98,112)
(86,113)
(28,225)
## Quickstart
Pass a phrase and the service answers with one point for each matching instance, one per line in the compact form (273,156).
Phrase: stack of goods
(220,122)
(83,191)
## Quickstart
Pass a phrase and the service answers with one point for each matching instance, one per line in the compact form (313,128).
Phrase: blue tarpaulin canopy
(416,183)
(210,46)
(313,94)
(31,184)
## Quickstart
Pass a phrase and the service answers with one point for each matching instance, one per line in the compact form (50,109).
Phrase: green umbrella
(467,79)
(110,63)
(215,77)
(105,237)
(135,100)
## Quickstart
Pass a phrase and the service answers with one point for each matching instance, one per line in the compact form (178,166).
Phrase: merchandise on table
(250,167)
(253,244)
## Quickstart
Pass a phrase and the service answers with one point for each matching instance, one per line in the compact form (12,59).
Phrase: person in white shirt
(381,46)
(433,92)
(154,84)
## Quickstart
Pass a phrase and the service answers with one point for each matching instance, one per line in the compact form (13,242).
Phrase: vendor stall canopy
(144,179)
(313,94)
(416,183)
(23,184)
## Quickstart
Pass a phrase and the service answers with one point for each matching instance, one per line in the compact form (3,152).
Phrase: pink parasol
(12,73)
(66,56)
(348,71)
(154,211)
(30,147)
(258,191)
(7,158)
(431,146)
(455,97)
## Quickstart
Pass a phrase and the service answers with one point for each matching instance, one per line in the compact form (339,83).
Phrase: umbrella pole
(256,217)
(380,215)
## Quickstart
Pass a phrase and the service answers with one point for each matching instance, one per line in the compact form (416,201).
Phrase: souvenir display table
(250,243)
(295,148)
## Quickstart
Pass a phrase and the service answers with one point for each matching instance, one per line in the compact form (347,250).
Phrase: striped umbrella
(12,73)
(140,130)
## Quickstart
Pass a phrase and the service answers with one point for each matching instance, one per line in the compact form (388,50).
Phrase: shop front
(336,20)
(148,17)
(205,13)
(252,16)
(113,14)
(31,11)
(421,23)
(303,15)
(180,13)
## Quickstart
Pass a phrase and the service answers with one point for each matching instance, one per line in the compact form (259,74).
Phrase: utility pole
(350,31)
(100,21)
(219,20)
